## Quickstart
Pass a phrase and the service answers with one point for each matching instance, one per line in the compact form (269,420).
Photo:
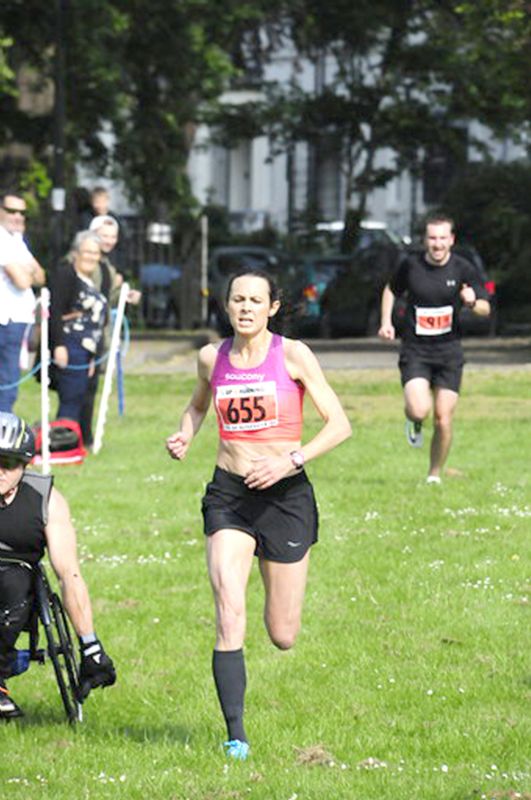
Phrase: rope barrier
(101,360)
(26,377)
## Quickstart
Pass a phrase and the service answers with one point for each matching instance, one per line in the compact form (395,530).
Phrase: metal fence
(172,296)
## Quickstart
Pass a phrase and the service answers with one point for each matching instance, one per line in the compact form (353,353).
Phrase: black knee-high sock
(228,667)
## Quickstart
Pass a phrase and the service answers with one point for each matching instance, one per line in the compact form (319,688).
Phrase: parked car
(514,301)
(315,274)
(225,261)
(160,285)
(470,324)
(327,237)
(350,303)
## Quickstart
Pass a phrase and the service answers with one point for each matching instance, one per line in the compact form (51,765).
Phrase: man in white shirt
(19,271)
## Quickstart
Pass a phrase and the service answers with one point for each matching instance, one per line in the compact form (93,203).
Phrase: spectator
(107,279)
(100,202)
(78,316)
(19,271)
(108,229)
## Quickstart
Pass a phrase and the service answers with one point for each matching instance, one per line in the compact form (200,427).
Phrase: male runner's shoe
(414,433)
(433,480)
(8,707)
(237,749)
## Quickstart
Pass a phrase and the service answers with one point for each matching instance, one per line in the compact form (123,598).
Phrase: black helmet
(16,437)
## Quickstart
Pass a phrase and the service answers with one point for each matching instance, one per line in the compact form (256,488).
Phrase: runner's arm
(303,366)
(62,551)
(387,330)
(478,305)
(178,443)
(472,292)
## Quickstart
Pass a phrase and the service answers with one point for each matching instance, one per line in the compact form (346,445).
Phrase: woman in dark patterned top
(78,315)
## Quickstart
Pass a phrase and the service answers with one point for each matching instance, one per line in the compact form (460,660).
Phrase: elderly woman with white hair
(77,321)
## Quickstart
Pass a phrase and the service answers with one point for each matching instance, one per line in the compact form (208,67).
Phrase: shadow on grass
(43,716)
(166,733)
(142,734)
(47,716)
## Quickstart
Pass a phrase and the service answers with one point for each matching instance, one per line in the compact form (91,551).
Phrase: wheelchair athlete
(33,517)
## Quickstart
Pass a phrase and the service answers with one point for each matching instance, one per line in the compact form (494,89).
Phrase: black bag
(66,442)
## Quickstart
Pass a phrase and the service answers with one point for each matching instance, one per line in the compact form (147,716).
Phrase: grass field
(411,678)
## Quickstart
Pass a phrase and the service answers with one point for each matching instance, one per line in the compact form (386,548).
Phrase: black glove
(96,668)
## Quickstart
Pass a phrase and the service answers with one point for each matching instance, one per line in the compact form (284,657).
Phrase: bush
(492,207)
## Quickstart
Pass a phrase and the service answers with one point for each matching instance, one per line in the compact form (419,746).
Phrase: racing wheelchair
(47,615)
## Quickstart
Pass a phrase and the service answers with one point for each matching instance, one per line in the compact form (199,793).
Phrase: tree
(138,71)
(398,75)
(492,203)
(7,75)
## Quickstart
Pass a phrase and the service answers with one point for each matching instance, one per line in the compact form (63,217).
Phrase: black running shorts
(282,519)
(442,368)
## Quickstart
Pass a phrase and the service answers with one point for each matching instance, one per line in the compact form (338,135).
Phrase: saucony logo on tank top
(244,376)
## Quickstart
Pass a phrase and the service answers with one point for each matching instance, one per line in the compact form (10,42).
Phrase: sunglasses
(8,210)
(10,462)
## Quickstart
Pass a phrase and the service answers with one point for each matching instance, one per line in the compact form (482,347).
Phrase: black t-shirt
(433,302)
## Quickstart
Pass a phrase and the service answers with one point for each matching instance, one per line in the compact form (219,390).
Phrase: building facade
(259,188)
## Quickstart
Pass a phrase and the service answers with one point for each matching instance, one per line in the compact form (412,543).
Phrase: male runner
(431,359)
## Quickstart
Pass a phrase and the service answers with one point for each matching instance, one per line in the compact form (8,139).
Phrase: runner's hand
(96,669)
(386,331)
(177,445)
(468,296)
(267,470)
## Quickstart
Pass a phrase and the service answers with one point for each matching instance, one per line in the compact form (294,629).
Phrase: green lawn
(411,678)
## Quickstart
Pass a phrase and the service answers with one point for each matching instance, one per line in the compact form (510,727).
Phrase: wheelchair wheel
(66,655)
(60,650)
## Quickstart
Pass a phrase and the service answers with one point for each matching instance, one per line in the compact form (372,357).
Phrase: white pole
(111,361)
(204,270)
(45,397)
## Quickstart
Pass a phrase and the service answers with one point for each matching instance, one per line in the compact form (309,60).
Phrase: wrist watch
(297,459)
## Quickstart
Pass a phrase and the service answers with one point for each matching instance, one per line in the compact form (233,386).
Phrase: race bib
(248,407)
(433,321)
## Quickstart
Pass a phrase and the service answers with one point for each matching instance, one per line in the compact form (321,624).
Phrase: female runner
(260,501)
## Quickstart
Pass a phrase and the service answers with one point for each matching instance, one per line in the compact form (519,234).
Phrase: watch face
(297,459)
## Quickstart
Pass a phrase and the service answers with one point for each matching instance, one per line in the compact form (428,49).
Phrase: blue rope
(97,362)
(26,377)
(75,367)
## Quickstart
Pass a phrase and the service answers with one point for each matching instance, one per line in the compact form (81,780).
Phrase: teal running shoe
(414,433)
(237,749)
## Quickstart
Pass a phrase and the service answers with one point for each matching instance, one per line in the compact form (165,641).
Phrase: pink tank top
(262,404)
